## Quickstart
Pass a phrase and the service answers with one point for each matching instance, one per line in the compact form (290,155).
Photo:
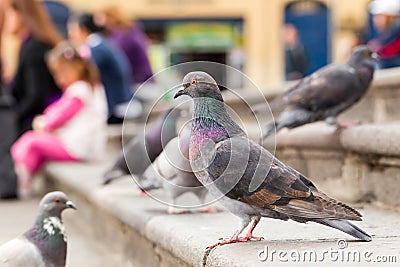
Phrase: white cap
(388,7)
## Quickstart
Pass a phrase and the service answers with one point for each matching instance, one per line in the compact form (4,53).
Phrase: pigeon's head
(199,84)
(362,56)
(55,202)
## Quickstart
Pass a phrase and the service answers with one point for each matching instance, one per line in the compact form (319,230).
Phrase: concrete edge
(381,139)
(372,139)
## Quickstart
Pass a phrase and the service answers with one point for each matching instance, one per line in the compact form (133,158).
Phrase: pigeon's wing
(247,172)
(324,89)
(136,155)
(19,252)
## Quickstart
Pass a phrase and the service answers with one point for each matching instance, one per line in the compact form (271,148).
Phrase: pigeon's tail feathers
(149,185)
(347,227)
(112,175)
(118,170)
(271,128)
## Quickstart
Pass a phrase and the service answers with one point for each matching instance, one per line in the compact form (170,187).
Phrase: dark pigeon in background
(327,92)
(143,149)
(250,181)
(171,171)
(45,243)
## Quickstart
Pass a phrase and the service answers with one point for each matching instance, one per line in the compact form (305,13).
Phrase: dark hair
(87,22)
(66,52)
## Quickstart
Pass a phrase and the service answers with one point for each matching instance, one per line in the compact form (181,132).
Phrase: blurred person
(72,128)
(59,13)
(386,21)
(33,86)
(130,37)
(295,55)
(112,63)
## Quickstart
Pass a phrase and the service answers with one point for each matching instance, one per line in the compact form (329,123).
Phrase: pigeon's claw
(250,237)
(209,210)
(346,124)
(224,241)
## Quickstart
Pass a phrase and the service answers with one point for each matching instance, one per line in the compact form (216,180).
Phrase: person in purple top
(130,37)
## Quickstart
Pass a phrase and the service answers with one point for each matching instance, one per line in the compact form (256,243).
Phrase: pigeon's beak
(182,91)
(375,55)
(70,205)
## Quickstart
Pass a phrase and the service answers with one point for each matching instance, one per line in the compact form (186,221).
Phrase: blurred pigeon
(249,180)
(171,171)
(132,159)
(45,244)
(327,92)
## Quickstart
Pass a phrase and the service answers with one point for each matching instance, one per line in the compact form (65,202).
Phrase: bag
(8,135)
(8,178)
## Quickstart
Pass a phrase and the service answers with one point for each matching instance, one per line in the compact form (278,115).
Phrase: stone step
(136,230)
(363,161)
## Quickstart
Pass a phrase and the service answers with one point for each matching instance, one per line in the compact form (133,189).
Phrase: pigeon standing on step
(327,92)
(143,149)
(45,244)
(171,171)
(249,181)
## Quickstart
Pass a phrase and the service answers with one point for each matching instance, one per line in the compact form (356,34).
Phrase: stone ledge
(386,78)
(379,139)
(139,231)
(373,139)
(316,135)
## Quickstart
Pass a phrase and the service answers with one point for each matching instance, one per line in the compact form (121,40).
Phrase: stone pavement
(17,216)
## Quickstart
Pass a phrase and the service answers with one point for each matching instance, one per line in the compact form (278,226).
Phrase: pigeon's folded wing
(325,88)
(20,252)
(256,177)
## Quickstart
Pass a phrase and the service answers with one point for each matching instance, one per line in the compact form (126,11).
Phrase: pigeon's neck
(366,74)
(212,121)
(48,235)
(364,70)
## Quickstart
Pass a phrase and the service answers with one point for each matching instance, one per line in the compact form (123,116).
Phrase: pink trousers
(34,148)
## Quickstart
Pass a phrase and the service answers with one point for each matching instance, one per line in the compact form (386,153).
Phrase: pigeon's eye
(367,53)
(194,82)
(57,200)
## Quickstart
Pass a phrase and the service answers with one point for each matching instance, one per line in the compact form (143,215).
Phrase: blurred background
(251,35)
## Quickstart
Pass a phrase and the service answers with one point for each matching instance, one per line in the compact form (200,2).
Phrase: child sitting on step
(71,129)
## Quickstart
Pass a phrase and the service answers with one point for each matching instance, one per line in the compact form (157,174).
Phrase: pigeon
(132,159)
(45,243)
(327,92)
(248,180)
(171,171)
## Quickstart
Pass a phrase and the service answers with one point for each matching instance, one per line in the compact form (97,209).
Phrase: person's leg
(31,151)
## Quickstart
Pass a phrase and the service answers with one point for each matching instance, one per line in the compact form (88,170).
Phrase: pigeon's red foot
(250,237)
(143,193)
(227,241)
(235,239)
(209,210)
(345,124)
(173,210)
